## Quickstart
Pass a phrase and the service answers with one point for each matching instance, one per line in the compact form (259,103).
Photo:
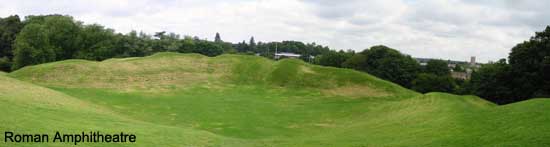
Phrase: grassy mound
(28,108)
(234,100)
(172,71)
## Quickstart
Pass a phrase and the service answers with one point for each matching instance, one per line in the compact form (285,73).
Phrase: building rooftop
(287,54)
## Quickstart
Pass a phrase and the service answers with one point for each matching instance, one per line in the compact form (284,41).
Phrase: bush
(426,82)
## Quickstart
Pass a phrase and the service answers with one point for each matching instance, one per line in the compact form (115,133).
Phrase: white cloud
(453,29)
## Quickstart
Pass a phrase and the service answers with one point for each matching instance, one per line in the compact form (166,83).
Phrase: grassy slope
(27,108)
(245,100)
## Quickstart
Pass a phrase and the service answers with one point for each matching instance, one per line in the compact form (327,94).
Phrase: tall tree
(528,62)
(187,45)
(252,44)
(134,44)
(437,67)
(208,48)
(242,46)
(333,58)
(218,39)
(387,63)
(436,77)
(428,82)
(32,46)
(493,82)
(97,43)
(9,27)
(62,32)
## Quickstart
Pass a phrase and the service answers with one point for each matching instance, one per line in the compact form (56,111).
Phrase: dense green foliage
(493,81)
(306,50)
(530,62)
(525,77)
(9,28)
(171,99)
(32,46)
(426,82)
(437,67)
(71,39)
(435,77)
(46,38)
(388,64)
(334,58)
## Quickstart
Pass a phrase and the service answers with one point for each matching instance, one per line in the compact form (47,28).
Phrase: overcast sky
(451,29)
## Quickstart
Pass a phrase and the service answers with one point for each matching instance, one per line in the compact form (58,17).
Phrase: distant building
(469,66)
(473,63)
(451,65)
(286,55)
(461,75)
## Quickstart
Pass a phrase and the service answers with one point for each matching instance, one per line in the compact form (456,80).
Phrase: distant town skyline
(456,29)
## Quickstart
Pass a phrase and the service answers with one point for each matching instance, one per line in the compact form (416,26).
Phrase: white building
(286,55)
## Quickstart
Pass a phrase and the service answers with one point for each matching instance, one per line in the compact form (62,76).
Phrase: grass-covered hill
(171,99)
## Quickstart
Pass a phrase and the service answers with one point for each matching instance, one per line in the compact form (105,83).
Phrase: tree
(357,61)
(62,32)
(5,64)
(333,58)
(166,42)
(493,82)
(252,44)
(241,46)
(97,43)
(218,39)
(9,27)
(208,48)
(458,68)
(436,77)
(437,67)
(268,49)
(428,82)
(134,45)
(386,63)
(527,62)
(187,45)
(32,47)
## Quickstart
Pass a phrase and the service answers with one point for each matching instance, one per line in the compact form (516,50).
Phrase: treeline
(48,38)
(525,76)
(391,65)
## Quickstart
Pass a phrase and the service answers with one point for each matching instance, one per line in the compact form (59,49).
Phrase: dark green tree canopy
(333,58)
(9,28)
(386,63)
(66,38)
(529,62)
(428,82)
(217,38)
(62,32)
(437,67)
(493,82)
(32,46)
(252,44)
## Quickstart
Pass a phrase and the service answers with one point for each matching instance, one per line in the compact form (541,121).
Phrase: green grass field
(171,99)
